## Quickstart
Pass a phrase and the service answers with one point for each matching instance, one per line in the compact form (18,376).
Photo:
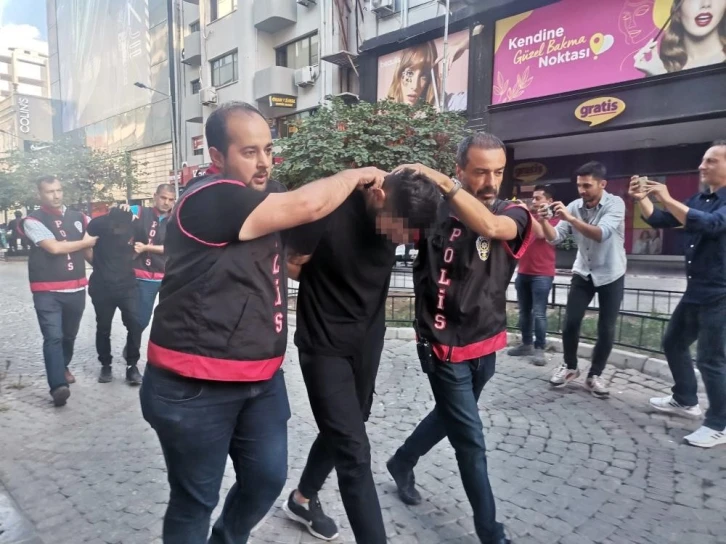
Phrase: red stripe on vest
(212,368)
(528,236)
(40,286)
(146,275)
(459,354)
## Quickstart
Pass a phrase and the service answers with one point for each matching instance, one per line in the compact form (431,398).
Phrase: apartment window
(196,86)
(194,27)
(198,145)
(300,53)
(221,8)
(224,69)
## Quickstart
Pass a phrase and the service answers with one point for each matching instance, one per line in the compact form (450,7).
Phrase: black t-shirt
(343,288)
(113,253)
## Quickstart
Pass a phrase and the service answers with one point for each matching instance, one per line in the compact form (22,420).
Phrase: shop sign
(197,143)
(599,110)
(280,101)
(529,172)
(577,44)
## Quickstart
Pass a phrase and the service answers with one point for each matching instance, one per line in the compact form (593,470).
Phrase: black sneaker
(60,395)
(311,515)
(133,376)
(405,481)
(106,374)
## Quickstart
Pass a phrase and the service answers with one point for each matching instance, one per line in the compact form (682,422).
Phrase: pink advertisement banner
(577,44)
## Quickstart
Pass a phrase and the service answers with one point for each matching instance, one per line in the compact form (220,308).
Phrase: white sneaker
(670,406)
(563,375)
(705,437)
(595,385)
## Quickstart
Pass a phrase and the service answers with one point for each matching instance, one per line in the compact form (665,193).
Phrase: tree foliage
(384,134)
(88,174)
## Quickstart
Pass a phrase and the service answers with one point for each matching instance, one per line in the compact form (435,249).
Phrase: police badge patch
(482,247)
(79,226)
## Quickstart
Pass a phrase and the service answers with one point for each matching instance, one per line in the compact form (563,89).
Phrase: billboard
(414,74)
(573,45)
(104,47)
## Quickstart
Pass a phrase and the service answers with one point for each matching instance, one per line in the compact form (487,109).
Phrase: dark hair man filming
(340,330)
(461,276)
(213,387)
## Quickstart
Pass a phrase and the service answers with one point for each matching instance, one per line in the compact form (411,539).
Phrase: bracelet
(454,190)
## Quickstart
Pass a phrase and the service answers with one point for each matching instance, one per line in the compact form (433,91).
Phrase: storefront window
(288,125)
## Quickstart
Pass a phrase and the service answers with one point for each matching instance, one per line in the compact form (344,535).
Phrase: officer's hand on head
(370,177)
(441,180)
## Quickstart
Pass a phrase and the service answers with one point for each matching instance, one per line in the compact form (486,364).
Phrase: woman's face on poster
(701,17)
(634,18)
(414,80)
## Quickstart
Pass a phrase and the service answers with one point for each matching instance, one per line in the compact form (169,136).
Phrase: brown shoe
(70,378)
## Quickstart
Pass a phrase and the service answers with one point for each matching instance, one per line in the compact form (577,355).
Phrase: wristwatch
(454,189)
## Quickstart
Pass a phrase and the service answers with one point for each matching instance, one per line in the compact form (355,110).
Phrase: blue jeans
(532,295)
(59,317)
(147,296)
(456,388)
(705,323)
(199,424)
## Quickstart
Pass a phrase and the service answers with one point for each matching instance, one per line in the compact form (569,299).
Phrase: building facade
(24,71)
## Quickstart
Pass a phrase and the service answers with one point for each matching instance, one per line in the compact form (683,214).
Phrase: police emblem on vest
(483,244)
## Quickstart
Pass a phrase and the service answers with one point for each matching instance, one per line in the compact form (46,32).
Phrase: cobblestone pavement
(566,468)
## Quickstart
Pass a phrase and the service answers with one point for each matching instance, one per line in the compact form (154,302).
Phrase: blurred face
(633,19)
(482,176)
(713,167)
(164,201)
(702,17)
(539,199)
(413,82)
(51,194)
(590,190)
(249,156)
(394,228)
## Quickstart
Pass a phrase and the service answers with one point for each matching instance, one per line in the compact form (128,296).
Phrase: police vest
(49,272)
(222,312)
(460,282)
(150,266)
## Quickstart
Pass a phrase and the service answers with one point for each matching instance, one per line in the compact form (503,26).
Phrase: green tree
(384,134)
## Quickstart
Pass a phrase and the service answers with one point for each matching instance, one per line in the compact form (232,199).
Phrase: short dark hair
(18,213)
(719,143)
(168,187)
(482,140)
(593,168)
(546,189)
(216,127)
(46,178)
(413,197)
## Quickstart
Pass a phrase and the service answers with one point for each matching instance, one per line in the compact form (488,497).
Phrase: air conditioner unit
(383,7)
(208,96)
(305,77)
(307,3)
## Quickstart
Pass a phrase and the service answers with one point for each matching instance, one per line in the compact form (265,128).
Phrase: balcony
(192,108)
(195,2)
(193,49)
(273,15)
(274,80)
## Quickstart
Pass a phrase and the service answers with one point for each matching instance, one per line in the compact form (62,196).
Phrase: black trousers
(341,394)
(106,301)
(610,297)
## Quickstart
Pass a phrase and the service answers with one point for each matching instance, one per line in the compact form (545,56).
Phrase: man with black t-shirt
(213,386)
(113,285)
(340,331)
(461,276)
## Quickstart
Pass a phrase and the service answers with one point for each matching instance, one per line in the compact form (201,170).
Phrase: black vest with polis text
(49,272)
(150,266)
(222,312)
(460,281)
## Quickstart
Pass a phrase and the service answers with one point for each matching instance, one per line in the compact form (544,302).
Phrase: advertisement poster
(573,45)
(414,74)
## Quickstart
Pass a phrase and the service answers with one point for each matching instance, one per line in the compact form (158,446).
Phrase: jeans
(456,388)
(341,394)
(59,316)
(532,294)
(705,323)
(147,296)
(199,423)
(610,297)
(105,302)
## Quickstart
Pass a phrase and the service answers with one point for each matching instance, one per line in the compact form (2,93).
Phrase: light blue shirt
(604,261)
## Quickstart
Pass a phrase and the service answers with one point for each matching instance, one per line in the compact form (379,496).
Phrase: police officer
(460,280)
(213,387)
